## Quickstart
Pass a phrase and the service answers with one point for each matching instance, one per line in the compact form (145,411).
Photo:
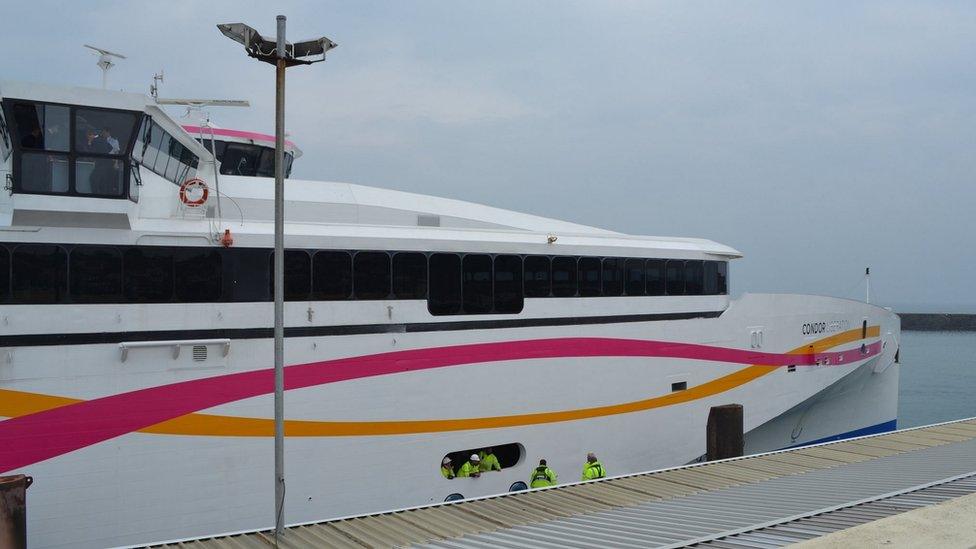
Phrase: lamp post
(281,54)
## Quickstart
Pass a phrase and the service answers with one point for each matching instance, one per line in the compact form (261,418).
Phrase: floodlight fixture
(265,49)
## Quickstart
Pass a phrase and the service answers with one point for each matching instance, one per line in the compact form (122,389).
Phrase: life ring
(191,185)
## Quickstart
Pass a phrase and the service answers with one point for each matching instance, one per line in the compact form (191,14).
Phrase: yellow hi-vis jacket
(447,472)
(542,476)
(489,462)
(467,469)
(593,470)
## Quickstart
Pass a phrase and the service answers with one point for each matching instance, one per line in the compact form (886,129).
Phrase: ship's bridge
(242,153)
(67,151)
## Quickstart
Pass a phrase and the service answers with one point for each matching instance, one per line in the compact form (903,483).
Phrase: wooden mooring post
(13,511)
(724,435)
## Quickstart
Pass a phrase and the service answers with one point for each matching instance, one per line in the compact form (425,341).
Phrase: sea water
(938,377)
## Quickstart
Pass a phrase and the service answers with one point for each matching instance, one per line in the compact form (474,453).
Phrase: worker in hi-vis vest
(470,467)
(593,468)
(542,476)
(447,469)
(488,460)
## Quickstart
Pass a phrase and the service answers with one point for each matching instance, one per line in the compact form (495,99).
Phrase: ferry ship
(136,336)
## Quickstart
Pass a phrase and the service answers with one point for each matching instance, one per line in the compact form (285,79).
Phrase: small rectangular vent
(199,353)
(428,221)
(791,368)
(679,386)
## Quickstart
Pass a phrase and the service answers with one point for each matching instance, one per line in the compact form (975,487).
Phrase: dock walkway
(767,500)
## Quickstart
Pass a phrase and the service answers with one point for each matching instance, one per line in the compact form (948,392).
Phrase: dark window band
(452,283)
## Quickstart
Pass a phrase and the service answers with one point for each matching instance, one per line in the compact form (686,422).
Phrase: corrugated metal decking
(767,500)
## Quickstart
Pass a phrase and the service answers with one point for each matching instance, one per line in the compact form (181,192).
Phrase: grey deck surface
(702,503)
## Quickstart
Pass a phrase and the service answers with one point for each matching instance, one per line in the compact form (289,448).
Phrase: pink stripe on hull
(44,435)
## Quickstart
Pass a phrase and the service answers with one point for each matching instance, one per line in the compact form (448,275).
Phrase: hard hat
(474,457)
(446,460)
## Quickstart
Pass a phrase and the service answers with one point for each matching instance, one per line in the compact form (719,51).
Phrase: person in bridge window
(111,144)
(593,468)
(93,143)
(33,140)
(471,468)
(542,476)
(447,469)
(488,460)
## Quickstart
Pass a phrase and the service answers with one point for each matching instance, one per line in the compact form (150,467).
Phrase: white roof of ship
(365,207)
(348,203)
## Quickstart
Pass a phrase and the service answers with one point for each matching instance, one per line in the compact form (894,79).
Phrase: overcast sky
(816,138)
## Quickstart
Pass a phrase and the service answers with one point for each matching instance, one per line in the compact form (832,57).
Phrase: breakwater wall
(938,322)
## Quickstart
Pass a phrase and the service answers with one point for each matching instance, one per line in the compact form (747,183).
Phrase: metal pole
(279,282)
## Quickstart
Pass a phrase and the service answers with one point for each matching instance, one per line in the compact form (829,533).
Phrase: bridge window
(654,269)
(96,274)
(102,140)
(634,277)
(613,277)
(148,274)
(476,283)
(241,159)
(163,154)
(331,275)
(101,131)
(564,272)
(445,284)
(371,275)
(409,275)
(39,273)
(244,159)
(71,150)
(99,176)
(43,173)
(675,270)
(42,134)
(41,127)
(508,284)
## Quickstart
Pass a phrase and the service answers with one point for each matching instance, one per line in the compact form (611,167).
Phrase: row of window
(244,158)
(62,149)
(451,283)
(87,151)
(163,154)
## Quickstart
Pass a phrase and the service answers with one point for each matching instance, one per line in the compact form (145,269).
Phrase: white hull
(140,487)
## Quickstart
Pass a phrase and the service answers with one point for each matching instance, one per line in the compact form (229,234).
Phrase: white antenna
(154,87)
(867,281)
(205,102)
(105,62)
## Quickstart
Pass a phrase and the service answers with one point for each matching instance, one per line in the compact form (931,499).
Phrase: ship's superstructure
(136,340)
